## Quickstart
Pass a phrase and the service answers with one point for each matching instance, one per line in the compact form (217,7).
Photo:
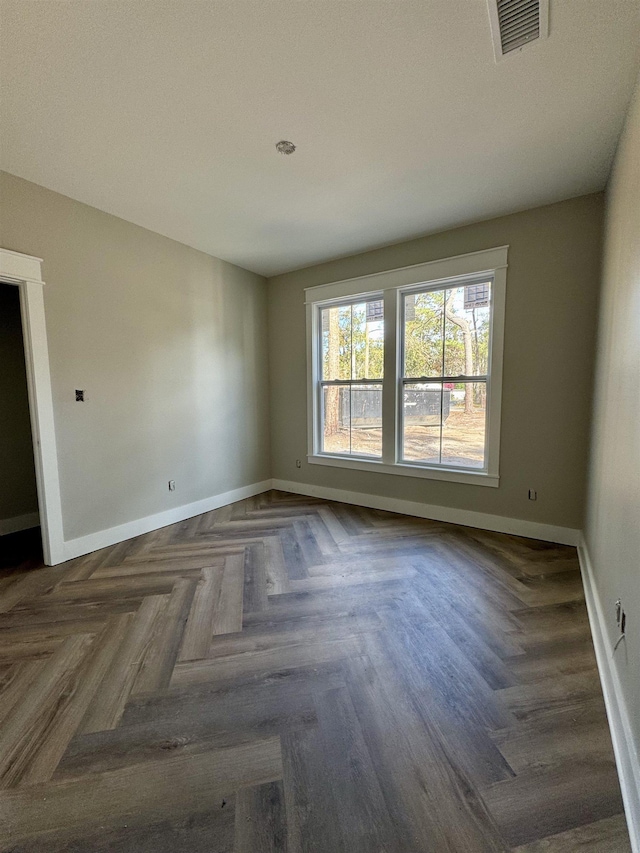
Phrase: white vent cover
(517,23)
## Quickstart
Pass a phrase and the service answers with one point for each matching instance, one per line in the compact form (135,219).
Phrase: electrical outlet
(533,495)
(298,463)
(172,485)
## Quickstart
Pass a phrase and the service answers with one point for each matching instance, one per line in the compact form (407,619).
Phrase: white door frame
(24,271)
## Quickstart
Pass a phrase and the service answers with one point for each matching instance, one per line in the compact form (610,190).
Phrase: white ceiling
(167,114)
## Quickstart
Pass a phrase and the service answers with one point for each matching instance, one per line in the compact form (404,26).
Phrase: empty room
(319,426)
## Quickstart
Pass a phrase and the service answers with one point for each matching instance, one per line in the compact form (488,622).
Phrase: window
(351,383)
(405,369)
(445,348)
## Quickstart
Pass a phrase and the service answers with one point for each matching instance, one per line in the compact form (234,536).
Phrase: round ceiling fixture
(285,147)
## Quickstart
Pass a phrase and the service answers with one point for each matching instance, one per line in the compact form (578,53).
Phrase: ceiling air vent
(517,23)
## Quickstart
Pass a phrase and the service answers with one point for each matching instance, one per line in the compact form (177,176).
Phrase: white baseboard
(498,523)
(485,521)
(518,527)
(103,538)
(19,522)
(625,751)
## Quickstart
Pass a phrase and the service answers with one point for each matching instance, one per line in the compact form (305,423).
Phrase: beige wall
(170,345)
(552,288)
(613,517)
(18,477)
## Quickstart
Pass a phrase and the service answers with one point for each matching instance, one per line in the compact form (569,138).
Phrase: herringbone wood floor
(292,674)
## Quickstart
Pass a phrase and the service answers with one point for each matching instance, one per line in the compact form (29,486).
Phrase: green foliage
(423,348)
(434,344)
(359,353)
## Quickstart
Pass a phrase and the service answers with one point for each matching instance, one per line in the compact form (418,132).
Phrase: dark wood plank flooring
(290,674)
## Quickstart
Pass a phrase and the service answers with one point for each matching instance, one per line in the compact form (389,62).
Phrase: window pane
(336,342)
(366,420)
(353,341)
(352,420)
(423,333)
(336,408)
(466,327)
(422,415)
(368,339)
(463,431)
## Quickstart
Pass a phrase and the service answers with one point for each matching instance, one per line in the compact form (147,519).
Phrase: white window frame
(391,285)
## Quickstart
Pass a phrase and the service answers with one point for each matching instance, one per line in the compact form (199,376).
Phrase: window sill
(452,475)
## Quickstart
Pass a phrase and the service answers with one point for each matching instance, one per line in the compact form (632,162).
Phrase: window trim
(391,285)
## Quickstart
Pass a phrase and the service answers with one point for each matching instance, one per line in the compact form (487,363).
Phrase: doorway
(22,275)
(19,516)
